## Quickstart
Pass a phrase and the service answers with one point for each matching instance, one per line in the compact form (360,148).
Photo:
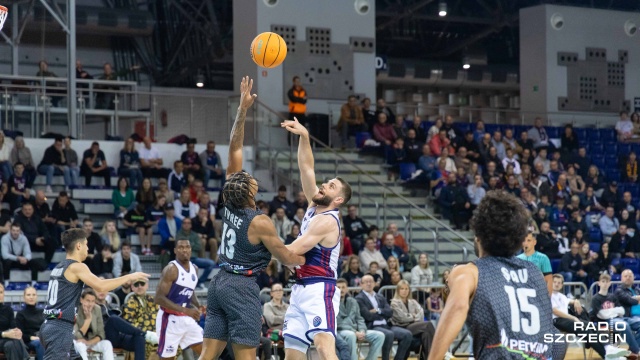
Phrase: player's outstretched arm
(319,229)
(262,228)
(81,272)
(305,158)
(237,132)
(169,276)
(462,281)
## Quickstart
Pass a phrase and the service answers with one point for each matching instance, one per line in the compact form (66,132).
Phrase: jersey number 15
(519,302)
(228,242)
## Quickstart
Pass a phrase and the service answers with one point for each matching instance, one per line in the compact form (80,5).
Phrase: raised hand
(246,98)
(294,127)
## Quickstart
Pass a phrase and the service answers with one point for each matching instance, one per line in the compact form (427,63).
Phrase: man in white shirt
(624,127)
(475,191)
(369,254)
(151,161)
(566,323)
(538,135)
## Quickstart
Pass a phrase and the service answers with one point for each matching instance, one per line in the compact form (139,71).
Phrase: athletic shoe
(615,352)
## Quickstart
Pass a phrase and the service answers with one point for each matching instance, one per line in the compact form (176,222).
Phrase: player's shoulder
(170,270)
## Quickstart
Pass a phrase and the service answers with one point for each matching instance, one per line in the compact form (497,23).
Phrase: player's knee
(325,343)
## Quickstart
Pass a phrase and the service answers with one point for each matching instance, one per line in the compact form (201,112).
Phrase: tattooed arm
(237,132)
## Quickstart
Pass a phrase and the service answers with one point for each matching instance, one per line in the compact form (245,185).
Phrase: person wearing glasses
(141,310)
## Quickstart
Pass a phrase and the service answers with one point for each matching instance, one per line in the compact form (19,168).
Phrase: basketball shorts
(234,311)
(56,336)
(176,331)
(312,309)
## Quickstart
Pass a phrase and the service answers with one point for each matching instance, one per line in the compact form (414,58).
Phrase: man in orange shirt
(392,229)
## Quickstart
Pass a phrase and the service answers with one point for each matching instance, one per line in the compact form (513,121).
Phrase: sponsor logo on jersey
(186,292)
(193,277)
(317,321)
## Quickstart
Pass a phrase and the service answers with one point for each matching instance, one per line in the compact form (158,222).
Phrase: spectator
(421,274)
(110,236)
(22,154)
(18,191)
(196,189)
(624,218)
(35,231)
(351,271)
(104,98)
(269,276)
(204,202)
(577,222)
(151,161)
(5,153)
(629,297)
(203,226)
(54,163)
(191,160)
(619,242)
(94,163)
(434,130)
(352,328)
(412,147)
(390,249)
(43,71)
(399,128)
(16,254)
(525,143)
(29,320)
(282,223)
(427,163)
(72,161)
(575,182)
(559,215)
(11,342)
(546,241)
(163,189)
(452,133)
(440,142)
(492,156)
(383,132)
(454,203)
(65,214)
(140,311)
(569,141)
(274,310)
(130,163)
(177,178)
(473,150)
(139,223)
(301,202)
(369,115)
(281,201)
(145,195)
(479,131)
(376,312)
(399,239)
(184,207)
(351,120)
(186,232)
(416,125)
(624,127)
(461,159)
(295,231)
(42,209)
(381,107)
(581,162)
(102,264)
(297,101)
(89,329)
(604,260)
(476,191)
(571,265)
(94,241)
(538,135)
(369,254)
(608,223)
(122,198)
(408,314)
(610,196)
(355,228)
(509,141)
(630,168)
(392,266)
(212,164)
(450,166)
(625,204)
(497,143)
(510,159)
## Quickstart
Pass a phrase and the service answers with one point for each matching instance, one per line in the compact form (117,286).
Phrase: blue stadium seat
(630,264)
(634,190)
(607,134)
(594,246)
(426,125)
(518,129)
(613,175)
(553,132)
(624,149)
(615,277)
(407,123)
(463,127)
(611,148)
(593,135)
(615,261)
(406,169)
(610,159)
(598,160)
(581,133)
(361,137)
(582,142)
(595,234)
(596,148)
(555,265)
(491,128)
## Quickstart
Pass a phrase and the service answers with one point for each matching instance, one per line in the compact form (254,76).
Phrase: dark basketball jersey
(511,311)
(63,296)
(237,254)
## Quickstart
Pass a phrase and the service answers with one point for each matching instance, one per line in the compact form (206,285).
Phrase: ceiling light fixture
(200,80)
(442,9)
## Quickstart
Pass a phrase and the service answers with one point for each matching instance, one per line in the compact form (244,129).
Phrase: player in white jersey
(315,300)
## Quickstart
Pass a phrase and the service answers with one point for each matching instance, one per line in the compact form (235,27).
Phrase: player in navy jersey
(503,299)
(249,239)
(179,314)
(315,301)
(65,288)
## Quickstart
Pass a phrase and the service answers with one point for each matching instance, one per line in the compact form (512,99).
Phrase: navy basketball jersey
(511,310)
(63,296)
(237,254)
(182,289)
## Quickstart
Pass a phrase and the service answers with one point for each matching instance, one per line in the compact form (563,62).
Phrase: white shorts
(312,308)
(174,331)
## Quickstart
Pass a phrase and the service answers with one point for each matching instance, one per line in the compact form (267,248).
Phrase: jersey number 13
(519,303)
(228,242)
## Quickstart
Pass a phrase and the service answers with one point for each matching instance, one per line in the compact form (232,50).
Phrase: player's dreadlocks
(237,190)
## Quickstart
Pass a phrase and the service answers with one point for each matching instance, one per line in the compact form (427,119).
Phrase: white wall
(583,27)
(252,17)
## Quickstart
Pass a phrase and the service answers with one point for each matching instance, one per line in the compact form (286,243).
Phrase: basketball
(268,50)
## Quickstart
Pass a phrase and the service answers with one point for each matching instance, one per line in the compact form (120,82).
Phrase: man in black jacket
(547,243)
(619,241)
(571,265)
(54,163)
(355,228)
(377,315)
(281,201)
(629,298)
(454,203)
(35,231)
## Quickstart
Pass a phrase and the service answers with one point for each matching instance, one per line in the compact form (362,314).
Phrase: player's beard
(322,200)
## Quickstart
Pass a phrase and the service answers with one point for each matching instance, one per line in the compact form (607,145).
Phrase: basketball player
(503,299)
(249,238)
(314,304)
(177,321)
(65,288)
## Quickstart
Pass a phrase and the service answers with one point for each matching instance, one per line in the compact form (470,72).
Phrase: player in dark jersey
(65,288)
(503,299)
(248,239)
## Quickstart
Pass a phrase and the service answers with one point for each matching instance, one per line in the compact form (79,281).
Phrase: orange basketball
(268,50)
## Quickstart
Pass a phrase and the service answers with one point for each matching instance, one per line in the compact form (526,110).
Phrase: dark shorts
(56,337)
(234,312)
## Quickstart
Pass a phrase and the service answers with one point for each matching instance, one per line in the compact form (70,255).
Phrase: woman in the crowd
(155,212)
(445,293)
(421,274)
(29,320)
(110,236)
(579,238)
(22,154)
(540,216)
(146,196)
(269,276)
(293,235)
(392,265)
(474,170)
(122,198)
(524,178)
(130,163)
(351,271)
(626,219)
(163,189)
(589,261)
(635,119)
(569,140)
(576,184)
(605,257)
(408,314)
(630,169)
(434,129)
(595,180)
